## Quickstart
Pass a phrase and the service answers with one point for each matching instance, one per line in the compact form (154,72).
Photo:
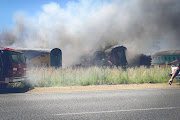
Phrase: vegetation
(50,77)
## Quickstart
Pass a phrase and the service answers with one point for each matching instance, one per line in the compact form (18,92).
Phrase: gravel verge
(103,87)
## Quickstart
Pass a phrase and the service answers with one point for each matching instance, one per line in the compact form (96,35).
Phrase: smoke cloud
(143,26)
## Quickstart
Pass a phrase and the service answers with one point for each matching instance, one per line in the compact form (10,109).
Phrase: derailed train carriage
(114,56)
(43,57)
(145,60)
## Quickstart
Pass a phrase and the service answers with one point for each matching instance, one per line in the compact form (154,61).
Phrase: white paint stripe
(114,111)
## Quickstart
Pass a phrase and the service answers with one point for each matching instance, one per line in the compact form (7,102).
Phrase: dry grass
(50,77)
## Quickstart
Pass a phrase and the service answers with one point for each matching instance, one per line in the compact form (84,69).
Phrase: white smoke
(83,26)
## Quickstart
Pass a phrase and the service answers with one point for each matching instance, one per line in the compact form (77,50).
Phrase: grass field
(50,77)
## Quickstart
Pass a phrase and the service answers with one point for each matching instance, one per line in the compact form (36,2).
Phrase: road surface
(132,104)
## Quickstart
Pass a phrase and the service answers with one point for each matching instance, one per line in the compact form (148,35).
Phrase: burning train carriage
(117,56)
(43,57)
(145,60)
(98,58)
(166,58)
(114,56)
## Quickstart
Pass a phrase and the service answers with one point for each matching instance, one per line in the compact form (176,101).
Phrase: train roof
(115,47)
(34,52)
(170,52)
(34,49)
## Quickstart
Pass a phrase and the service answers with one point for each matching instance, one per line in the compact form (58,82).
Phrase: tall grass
(49,77)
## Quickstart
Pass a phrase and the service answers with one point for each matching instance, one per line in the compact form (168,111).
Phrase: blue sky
(30,7)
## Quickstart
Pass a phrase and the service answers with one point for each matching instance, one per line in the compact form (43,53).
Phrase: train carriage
(43,57)
(166,58)
(114,56)
(117,55)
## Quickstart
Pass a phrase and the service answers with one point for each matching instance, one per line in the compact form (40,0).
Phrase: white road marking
(114,111)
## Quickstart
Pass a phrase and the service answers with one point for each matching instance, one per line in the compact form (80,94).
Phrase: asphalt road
(141,104)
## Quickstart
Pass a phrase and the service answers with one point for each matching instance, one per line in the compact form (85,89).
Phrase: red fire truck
(12,66)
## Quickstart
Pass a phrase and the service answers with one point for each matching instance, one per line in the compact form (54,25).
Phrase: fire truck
(12,66)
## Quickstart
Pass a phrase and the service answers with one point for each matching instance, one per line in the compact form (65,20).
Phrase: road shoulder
(103,87)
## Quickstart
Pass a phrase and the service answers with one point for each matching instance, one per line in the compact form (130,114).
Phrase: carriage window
(169,58)
(165,58)
(161,58)
(173,58)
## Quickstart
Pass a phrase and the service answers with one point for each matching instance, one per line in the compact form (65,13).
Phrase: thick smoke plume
(143,26)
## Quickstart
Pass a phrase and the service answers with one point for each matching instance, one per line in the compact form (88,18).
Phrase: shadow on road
(14,90)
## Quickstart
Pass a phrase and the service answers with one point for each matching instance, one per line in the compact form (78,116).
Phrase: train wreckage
(114,56)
